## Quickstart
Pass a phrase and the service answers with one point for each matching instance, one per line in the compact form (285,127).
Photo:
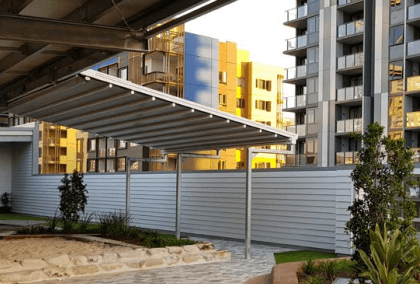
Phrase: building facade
(356,62)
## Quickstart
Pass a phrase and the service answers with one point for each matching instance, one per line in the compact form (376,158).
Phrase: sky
(256,26)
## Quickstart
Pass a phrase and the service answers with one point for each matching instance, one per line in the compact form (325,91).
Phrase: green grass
(302,255)
(14,216)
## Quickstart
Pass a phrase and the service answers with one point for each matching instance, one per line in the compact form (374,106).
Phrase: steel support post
(127,186)
(178,197)
(248,203)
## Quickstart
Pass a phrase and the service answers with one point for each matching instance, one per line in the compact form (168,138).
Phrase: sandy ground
(16,250)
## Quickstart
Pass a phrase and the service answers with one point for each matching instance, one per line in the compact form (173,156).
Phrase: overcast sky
(256,26)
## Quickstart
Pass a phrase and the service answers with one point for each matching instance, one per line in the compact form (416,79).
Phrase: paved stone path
(237,271)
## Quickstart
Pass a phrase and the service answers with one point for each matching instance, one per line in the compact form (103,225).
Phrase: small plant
(394,258)
(52,223)
(5,199)
(315,280)
(73,197)
(32,230)
(329,268)
(68,225)
(84,222)
(309,267)
(114,223)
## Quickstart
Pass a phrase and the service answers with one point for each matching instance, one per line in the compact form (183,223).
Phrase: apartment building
(356,62)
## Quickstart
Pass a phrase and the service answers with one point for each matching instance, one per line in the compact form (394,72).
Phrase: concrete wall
(299,208)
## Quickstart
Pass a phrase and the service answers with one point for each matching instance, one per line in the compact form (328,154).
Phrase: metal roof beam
(91,11)
(21,28)
(14,6)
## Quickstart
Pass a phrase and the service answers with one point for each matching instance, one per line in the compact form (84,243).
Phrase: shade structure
(112,107)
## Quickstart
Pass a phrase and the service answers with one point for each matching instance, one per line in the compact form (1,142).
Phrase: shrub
(328,267)
(52,223)
(114,223)
(5,199)
(380,189)
(84,222)
(309,267)
(68,225)
(394,258)
(73,197)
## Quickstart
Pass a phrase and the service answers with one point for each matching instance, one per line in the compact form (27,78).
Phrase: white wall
(5,168)
(300,208)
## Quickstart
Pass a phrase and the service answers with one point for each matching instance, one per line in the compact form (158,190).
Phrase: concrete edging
(64,266)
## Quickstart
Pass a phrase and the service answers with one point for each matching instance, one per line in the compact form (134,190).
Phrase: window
(110,165)
(222,99)
(355,112)
(240,165)
(222,77)
(102,147)
(63,151)
(312,85)
(240,103)
(40,134)
(313,25)
(395,112)
(313,55)
(264,122)
(310,116)
(122,144)
(396,35)
(121,164)
(123,73)
(395,70)
(311,146)
(263,105)
(92,144)
(240,82)
(132,145)
(110,69)
(397,5)
(135,166)
(263,84)
(221,165)
(111,147)
(63,134)
(40,152)
(91,165)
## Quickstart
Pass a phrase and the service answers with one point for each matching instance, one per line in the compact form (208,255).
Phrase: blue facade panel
(201,70)
(105,63)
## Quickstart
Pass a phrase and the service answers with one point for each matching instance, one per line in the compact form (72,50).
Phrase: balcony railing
(349,61)
(350,93)
(396,86)
(297,42)
(301,100)
(413,12)
(349,125)
(413,119)
(345,2)
(291,128)
(413,48)
(351,28)
(300,130)
(296,72)
(159,77)
(413,84)
(297,13)
(346,158)
(301,160)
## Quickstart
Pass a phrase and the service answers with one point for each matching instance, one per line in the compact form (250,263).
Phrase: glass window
(92,144)
(222,77)
(121,164)
(313,55)
(91,165)
(102,147)
(313,24)
(110,165)
(101,165)
(395,70)
(397,5)
(111,147)
(123,73)
(310,116)
(396,35)
(122,144)
(395,112)
(312,85)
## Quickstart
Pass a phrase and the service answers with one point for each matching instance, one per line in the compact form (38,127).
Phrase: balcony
(350,64)
(351,6)
(413,49)
(413,119)
(296,17)
(349,125)
(346,158)
(350,94)
(413,15)
(299,103)
(297,75)
(396,87)
(297,46)
(300,130)
(351,33)
(413,84)
(301,160)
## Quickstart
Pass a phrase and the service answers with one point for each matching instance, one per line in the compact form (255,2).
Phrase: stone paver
(237,271)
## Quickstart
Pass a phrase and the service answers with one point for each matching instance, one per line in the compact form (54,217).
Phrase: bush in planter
(5,200)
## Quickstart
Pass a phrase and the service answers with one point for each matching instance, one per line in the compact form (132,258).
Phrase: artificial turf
(301,255)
